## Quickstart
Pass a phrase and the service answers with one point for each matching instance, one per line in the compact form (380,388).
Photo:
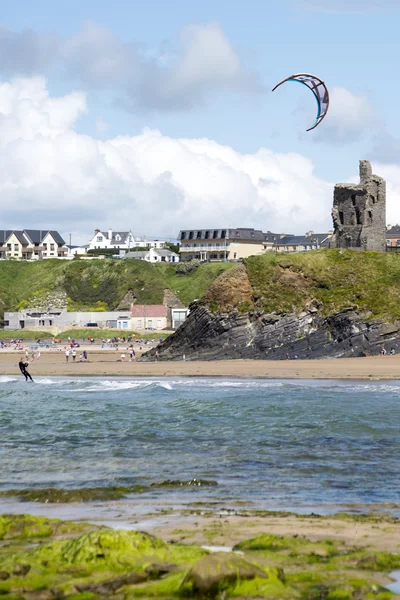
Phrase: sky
(158,116)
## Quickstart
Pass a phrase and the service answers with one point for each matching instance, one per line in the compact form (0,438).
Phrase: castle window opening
(358,216)
(353,199)
(341,217)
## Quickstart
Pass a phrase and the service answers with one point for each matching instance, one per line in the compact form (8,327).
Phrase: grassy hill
(88,282)
(328,279)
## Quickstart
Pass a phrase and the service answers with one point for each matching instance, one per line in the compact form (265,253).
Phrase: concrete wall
(359,213)
(65,320)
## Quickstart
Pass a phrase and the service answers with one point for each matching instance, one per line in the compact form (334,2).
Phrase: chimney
(110,234)
(96,231)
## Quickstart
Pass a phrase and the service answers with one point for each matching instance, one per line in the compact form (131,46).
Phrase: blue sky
(352,45)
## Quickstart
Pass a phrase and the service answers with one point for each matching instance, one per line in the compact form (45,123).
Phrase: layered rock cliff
(231,321)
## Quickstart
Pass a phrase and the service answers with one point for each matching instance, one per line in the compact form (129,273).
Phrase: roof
(164,252)
(136,254)
(395,231)
(122,234)
(241,233)
(4,235)
(304,240)
(149,310)
(36,236)
(20,237)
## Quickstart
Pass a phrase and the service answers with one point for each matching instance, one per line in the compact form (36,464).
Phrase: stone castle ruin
(359,213)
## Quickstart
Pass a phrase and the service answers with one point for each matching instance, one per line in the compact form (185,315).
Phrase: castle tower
(359,213)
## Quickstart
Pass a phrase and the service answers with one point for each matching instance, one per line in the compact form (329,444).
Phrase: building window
(51,246)
(358,216)
(223,233)
(183,233)
(353,199)
(341,217)
(16,248)
(8,246)
(198,235)
(206,235)
(215,234)
(99,238)
(190,235)
(235,255)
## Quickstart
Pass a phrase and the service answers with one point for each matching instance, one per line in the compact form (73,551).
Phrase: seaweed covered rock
(26,526)
(219,571)
(108,547)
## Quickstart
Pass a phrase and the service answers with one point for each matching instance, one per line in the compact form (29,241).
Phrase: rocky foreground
(43,559)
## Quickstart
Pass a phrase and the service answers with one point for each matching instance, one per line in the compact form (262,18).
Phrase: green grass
(88,283)
(329,279)
(98,334)
(195,285)
(22,334)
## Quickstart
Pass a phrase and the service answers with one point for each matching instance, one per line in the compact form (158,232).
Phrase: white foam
(6,379)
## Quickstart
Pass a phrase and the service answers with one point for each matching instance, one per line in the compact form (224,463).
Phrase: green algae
(55,495)
(66,561)
(26,526)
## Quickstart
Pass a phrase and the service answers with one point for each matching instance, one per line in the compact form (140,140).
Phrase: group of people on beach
(72,351)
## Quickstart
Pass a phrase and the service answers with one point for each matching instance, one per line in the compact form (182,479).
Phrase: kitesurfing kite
(318,88)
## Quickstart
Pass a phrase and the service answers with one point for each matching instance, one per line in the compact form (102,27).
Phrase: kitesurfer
(22,367)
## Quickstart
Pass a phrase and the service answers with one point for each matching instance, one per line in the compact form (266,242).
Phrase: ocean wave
(7,379)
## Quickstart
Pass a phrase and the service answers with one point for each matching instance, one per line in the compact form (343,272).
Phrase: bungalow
(149,316)
(153,255)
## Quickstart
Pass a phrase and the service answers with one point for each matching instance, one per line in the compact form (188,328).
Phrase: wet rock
(21,570)
(216,572)
(190,483)
(110,586)
(4,575)
(39,595)
(207,336)
(155,571)
(110,547)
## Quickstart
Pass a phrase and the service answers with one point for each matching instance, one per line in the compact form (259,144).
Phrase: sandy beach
(108,363)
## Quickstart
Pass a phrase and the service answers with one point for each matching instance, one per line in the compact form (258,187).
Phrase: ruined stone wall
(359,213)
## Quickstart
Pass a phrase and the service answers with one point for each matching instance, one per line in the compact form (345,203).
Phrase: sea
(303,446)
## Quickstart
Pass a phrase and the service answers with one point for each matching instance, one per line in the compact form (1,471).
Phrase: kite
(318,88)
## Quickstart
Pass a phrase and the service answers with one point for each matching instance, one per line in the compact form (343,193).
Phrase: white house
(32,244)
(114,240)
(154,255)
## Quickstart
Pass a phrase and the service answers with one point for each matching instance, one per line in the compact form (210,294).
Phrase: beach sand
(108,363)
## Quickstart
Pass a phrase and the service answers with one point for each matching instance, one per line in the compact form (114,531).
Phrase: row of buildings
(236,244)
(140,317)
(202,244)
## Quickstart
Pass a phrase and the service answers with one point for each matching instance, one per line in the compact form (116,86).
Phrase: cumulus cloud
(204,62)
(349,119)
(348,6)
(55,177)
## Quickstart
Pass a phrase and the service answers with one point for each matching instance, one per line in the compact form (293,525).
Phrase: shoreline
(100,364)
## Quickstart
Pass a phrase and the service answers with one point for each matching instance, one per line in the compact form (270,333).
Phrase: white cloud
(349,119)
(51,176)
(203,63)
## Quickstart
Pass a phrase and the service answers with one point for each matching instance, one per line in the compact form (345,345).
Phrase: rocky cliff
(205,336)
(231,320)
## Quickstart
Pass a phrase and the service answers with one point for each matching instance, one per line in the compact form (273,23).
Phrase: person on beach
(37,355)
(73,354)
(67,355)
(22,368)
(84,354)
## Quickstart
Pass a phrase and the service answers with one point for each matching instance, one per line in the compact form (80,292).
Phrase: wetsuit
(22,367)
